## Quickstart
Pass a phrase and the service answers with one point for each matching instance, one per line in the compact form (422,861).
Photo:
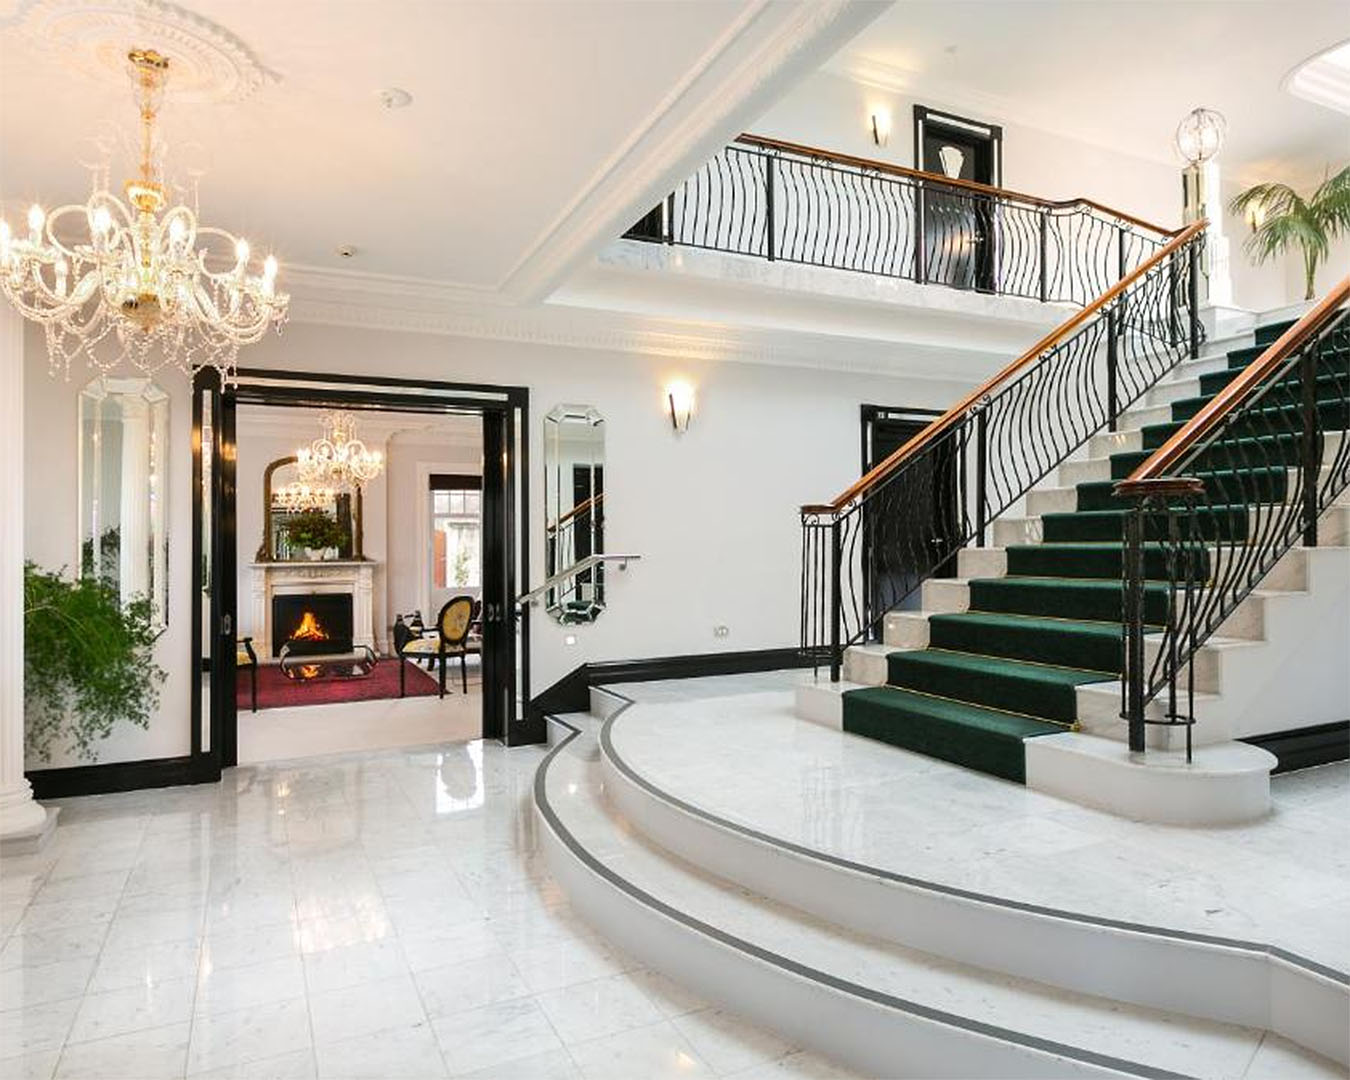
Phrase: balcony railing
(785,202)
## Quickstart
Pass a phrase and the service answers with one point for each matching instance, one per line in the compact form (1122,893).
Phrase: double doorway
(225,606)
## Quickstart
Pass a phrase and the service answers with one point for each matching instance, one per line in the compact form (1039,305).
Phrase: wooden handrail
(952,415)
(1233,396)
(802,150)
(580,508)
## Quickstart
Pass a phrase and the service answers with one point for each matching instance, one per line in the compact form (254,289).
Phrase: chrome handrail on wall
(579,567)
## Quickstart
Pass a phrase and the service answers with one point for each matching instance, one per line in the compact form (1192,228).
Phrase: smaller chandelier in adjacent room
(337,458)
(139,282)
(293,498)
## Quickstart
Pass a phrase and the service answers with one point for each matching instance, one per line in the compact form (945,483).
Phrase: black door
(959,226)
(499,577)
(215,615)
(907,521)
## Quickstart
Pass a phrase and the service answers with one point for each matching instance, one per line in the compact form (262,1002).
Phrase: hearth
(312,623)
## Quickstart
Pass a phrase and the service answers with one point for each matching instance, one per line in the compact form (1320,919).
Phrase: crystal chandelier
(135,282)
(298,496)
(338,458)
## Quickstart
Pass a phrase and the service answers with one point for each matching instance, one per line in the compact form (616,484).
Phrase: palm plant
(1290,219)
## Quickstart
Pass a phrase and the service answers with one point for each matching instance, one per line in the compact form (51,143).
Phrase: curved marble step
(881,1008)
(1185,974)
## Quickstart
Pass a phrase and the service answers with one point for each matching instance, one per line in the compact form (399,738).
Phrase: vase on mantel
(319,554)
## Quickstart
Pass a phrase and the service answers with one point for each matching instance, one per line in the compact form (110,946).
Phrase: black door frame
(368,393)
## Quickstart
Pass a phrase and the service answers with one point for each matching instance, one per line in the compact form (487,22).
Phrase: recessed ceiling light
(393,97)
(347,251)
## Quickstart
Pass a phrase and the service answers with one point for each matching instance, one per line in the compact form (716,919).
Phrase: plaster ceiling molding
(1324,79)
(92,37)
(752,62)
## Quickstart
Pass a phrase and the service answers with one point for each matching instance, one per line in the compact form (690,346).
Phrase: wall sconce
(881,126)
(680,398)
(1256,215)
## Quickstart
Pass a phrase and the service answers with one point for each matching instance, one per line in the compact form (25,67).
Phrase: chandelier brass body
(133,283)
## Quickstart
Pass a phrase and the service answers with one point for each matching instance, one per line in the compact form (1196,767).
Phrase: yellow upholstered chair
(245,657)
(450,638)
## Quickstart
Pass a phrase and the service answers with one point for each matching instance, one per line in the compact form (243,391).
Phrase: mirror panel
(574,509)
(346,507)
(124,434)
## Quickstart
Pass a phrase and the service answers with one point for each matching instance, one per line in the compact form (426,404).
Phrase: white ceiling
(535,127)
(1122,73)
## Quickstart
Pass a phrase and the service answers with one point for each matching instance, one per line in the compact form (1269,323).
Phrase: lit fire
(309,629)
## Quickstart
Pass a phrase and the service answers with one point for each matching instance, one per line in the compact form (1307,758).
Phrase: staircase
(1003,653)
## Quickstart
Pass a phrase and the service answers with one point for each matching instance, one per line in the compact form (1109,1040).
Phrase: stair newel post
(1309,458)
(769,239)
(1193,294)
(836,597)
(1132,604)
(981,467)
(1045,255)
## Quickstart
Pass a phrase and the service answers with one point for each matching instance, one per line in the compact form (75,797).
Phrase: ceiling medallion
(91,37)
(338,459)
(133,282)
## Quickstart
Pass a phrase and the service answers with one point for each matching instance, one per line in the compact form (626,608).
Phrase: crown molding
(754,60)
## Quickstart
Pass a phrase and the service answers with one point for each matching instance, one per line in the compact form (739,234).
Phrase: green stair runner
(1008,669)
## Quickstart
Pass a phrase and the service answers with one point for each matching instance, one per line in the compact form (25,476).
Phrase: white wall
(411,458)
(51,532)
(713,512)
(831,112)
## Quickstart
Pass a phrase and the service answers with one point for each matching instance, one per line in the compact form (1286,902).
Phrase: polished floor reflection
(381,915)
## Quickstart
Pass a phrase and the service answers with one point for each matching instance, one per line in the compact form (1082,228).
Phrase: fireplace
(312,622)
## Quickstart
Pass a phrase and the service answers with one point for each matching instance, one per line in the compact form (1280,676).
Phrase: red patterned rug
(276,691)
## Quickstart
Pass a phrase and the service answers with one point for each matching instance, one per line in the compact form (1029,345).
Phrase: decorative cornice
(91,37)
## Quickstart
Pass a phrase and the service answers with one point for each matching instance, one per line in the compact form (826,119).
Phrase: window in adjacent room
(456,532)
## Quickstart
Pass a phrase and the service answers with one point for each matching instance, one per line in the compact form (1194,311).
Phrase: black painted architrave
(572,693)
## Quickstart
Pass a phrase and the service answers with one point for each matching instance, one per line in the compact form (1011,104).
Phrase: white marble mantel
(354,576)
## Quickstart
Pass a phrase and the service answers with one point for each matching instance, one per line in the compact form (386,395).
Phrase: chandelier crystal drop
(137,283)
(338,459)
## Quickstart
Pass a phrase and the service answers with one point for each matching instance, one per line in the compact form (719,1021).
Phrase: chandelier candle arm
(338,458)
(128,282)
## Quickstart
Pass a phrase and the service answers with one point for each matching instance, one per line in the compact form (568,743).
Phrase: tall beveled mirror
(574,510)
(124,437)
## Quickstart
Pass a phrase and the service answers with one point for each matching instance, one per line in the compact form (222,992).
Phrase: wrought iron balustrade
(1226,498)
(780,201)
(874,545)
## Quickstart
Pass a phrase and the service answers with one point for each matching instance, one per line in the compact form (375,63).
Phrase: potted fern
(88,662)
(319,534)
(1283,219)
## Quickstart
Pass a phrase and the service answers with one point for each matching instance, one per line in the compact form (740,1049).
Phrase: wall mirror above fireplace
(284,497)
(123,489)
(574,510)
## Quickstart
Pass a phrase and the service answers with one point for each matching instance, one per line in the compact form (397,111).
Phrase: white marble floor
(380,915)
(733,746)
(391,723)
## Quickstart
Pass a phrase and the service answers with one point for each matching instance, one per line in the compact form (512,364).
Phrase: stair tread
(958,712)
(1014,621)
(1002,666)
(574,786)
(1029,582)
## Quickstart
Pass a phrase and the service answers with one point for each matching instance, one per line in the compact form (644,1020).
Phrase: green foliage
(1293,221)
(87,661)
(314,529)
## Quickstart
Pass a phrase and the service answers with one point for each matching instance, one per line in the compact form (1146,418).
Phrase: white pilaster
(20,817)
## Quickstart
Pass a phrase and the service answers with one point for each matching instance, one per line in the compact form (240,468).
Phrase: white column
(20,816)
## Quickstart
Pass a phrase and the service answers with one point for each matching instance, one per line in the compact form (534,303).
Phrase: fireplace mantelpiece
(354,576)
